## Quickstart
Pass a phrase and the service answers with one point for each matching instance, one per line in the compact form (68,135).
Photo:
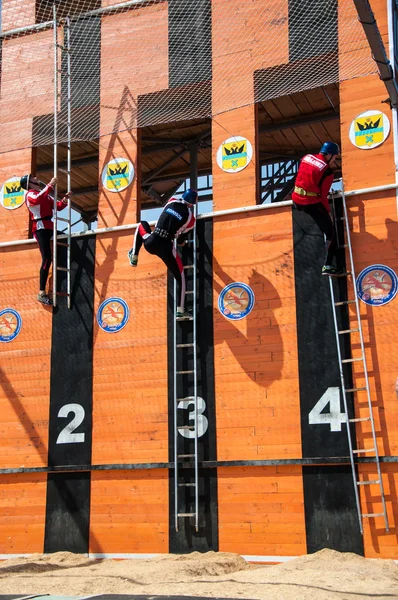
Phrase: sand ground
(325,575)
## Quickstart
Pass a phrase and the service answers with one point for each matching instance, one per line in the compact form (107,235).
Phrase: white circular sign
(234,154)
(369,129)
(118,174)
(12,196)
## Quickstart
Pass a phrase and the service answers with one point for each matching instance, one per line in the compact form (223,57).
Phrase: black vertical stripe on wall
(67,512)
(329,498)
(187,539)
(331,516)
(312,28)
(190,55)
(70,422)
(317,352)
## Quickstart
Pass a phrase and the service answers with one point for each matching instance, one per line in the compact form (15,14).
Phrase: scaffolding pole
(56,96)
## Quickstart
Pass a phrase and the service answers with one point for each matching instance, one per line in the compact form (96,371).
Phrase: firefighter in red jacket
(313,182)
(40,204)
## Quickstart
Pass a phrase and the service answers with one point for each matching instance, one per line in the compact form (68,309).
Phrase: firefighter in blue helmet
(313,182)
(175,222)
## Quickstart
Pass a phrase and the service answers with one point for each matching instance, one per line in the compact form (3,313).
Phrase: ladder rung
(344,302)
(185,345)
(184,318)
(186,427)
(368,482)
(62,244)
(342,274)
(359,420)
(363,450)
(184,372)
(187,485)
(343,246)
(62,269)
(189,267)
(348,330)
(350,360)
(62,219)
(360,389)
(367,515)
(186,514)
(63,294)
(185,456)
(189,292)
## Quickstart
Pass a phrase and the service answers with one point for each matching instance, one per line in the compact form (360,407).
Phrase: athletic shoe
(183,315)
(44,299)
(331,271)
(133,258)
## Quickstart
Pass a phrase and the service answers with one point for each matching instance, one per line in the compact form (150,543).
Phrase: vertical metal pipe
(175,400)
(193,151)
(69,150)
(55,39)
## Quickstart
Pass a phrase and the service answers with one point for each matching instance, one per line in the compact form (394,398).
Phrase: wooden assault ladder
(65,239)
(185,372)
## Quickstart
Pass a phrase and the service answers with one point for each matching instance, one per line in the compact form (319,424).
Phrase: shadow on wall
(125,121)
(373,345)
(23,416)
(259,349)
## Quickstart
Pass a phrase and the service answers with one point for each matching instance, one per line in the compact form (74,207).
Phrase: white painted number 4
(334,418)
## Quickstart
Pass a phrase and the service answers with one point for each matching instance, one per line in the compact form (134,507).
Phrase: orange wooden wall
(374,234)
(22,513)
(257,397)
(261,511)
(131,45)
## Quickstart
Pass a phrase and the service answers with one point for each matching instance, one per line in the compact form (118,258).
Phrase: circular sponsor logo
(10,324)
(117,174)
(12,196)
(377,285)
(369,129)
(112,315)
(236,301)
(234,154)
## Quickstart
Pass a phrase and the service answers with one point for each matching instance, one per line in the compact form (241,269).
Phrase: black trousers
(43,237)
(162,248)
(322,218)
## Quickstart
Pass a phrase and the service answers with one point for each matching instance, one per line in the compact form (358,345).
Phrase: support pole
(56,72)
(372,32)
(193,177)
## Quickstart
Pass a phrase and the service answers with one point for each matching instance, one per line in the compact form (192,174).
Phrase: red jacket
(41,205)
(314,175)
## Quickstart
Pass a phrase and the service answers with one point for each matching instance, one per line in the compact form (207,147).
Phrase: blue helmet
(190,196)
(330,148)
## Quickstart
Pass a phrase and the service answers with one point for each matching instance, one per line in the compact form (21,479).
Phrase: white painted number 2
(203,423)
(67,436)
(334,418)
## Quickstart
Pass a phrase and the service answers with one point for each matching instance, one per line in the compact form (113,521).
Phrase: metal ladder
(65,239)
(179,400)
(362,358)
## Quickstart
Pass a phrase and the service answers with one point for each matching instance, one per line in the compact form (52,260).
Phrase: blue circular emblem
(236,301)
(10,324)
(377,285)
(112,315)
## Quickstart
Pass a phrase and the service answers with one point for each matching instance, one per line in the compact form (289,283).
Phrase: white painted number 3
(203,423)
(67,436)
(334,418)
